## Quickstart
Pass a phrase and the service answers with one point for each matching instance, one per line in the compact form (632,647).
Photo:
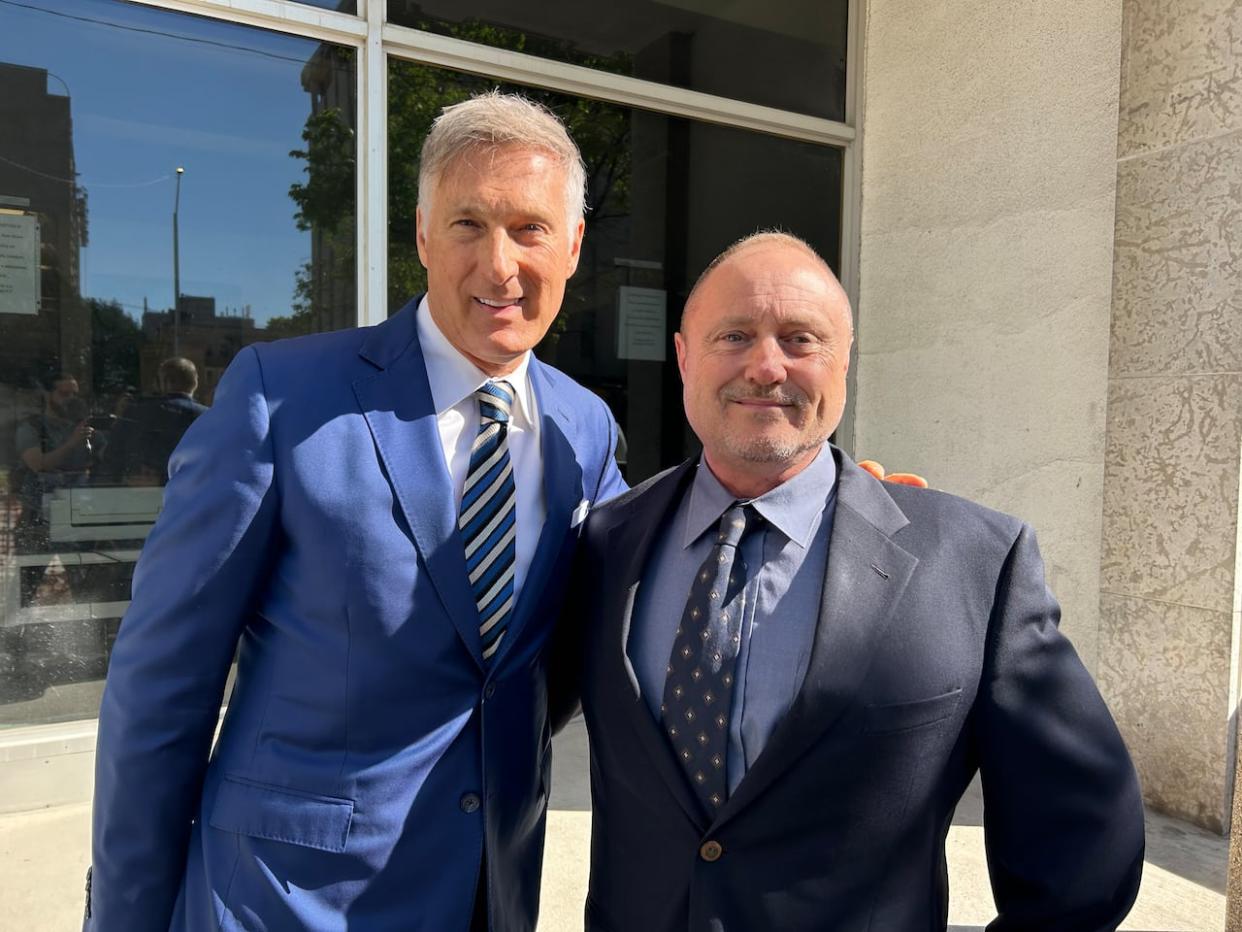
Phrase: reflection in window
(665,196)
(789,55)
(341,6)
(172,189)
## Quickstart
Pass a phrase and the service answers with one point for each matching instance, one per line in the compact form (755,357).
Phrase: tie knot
(735,522)
(495,401)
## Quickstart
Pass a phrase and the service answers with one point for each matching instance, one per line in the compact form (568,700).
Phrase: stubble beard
(749,447)
(771,449)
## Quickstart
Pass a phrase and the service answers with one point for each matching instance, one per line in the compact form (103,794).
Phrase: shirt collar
(453,377)
(791,507)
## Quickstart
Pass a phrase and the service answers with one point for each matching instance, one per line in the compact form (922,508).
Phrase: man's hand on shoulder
(900,478)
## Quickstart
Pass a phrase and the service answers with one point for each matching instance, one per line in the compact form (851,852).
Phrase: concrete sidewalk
(43,857)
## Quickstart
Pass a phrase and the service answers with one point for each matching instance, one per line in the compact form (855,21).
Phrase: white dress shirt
(454,379)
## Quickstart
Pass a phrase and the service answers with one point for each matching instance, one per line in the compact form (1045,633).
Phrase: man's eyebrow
(475,209)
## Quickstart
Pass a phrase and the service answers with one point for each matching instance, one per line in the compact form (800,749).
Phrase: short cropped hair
(764,238)
(491,121)
(178,374)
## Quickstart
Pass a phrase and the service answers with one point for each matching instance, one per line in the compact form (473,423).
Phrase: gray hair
(490,121)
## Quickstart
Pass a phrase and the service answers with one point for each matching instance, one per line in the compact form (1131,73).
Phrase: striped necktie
(488,521)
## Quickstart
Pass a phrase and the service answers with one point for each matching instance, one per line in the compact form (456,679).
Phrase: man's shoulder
(310,363)
(566,389)
(624,506)
(312,346)
(951,520)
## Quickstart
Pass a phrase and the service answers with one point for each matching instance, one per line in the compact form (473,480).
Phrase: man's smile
(498,304)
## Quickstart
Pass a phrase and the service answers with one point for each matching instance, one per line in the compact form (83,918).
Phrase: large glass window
(172,189)
(789,54)
(665,196)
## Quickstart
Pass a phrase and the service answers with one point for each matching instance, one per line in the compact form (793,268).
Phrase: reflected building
(207,339)
(38,177)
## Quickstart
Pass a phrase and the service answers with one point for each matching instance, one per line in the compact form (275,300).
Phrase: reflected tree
(416,95)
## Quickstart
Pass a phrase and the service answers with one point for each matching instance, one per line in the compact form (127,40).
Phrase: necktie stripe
(488,439)
(500,598)
(484,452)
(492,547)
(488,651)
(481,568)
(487,522)
(477,460)
(484,545)
(483,490)
(494,410)
(489,628)
(496,617)
(496,574)
(482,532)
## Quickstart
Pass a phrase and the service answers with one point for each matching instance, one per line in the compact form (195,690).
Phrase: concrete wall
(1169,610)
(988,187)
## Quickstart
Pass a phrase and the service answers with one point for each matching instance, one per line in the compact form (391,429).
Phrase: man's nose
(501,257)
(765,364)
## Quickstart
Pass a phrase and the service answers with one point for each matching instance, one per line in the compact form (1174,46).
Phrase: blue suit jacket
(936,656)
(369,759)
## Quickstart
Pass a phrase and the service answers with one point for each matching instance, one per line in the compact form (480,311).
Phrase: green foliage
(326,199)
(416,95)
(115,339)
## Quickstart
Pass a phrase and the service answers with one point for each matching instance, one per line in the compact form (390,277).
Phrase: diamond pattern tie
(488,520)
(698,690)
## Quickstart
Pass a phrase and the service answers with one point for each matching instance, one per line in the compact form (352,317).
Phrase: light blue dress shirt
(787,559)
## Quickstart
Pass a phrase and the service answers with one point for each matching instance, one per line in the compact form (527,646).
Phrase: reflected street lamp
(177,268)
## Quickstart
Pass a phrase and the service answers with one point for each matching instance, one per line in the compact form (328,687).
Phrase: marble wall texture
(1169,611)
(989,171)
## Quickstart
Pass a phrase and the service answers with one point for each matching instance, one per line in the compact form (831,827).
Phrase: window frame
(376,41)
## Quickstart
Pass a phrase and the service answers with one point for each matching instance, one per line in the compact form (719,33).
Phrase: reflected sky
(151,90)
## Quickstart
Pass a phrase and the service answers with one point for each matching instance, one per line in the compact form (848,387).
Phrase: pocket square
(580,513)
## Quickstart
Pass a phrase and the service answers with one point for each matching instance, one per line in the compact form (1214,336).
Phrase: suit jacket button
(470,802)
(711,851)
(489,690)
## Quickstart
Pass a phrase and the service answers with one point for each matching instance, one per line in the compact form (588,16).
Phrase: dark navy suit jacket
(937,656)
(369,758)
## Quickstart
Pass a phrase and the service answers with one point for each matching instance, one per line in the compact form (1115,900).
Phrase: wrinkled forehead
(781,287)
(483,160)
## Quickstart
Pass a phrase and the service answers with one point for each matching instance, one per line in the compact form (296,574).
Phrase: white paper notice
(641,323)
(19,264)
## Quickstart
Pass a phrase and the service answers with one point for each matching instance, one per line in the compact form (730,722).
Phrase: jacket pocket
(906,716)
(279,813)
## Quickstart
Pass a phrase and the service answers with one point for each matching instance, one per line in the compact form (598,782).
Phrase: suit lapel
(396,402)
(562,490)
(866,576)
(631,541)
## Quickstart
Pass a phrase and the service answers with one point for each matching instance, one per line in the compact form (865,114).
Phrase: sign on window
(19,264)
(641,314)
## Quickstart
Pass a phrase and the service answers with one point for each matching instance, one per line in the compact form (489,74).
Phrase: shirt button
(470,802)
(489,690)
(711,851)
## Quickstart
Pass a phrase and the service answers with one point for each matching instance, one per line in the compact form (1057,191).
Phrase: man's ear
(420,235)
(575,248)
(679,344)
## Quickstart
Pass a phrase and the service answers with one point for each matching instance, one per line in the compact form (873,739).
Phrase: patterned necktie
(488,519)
(698,691)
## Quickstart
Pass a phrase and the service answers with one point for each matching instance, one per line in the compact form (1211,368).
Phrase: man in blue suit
(792,672)
(379,524)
